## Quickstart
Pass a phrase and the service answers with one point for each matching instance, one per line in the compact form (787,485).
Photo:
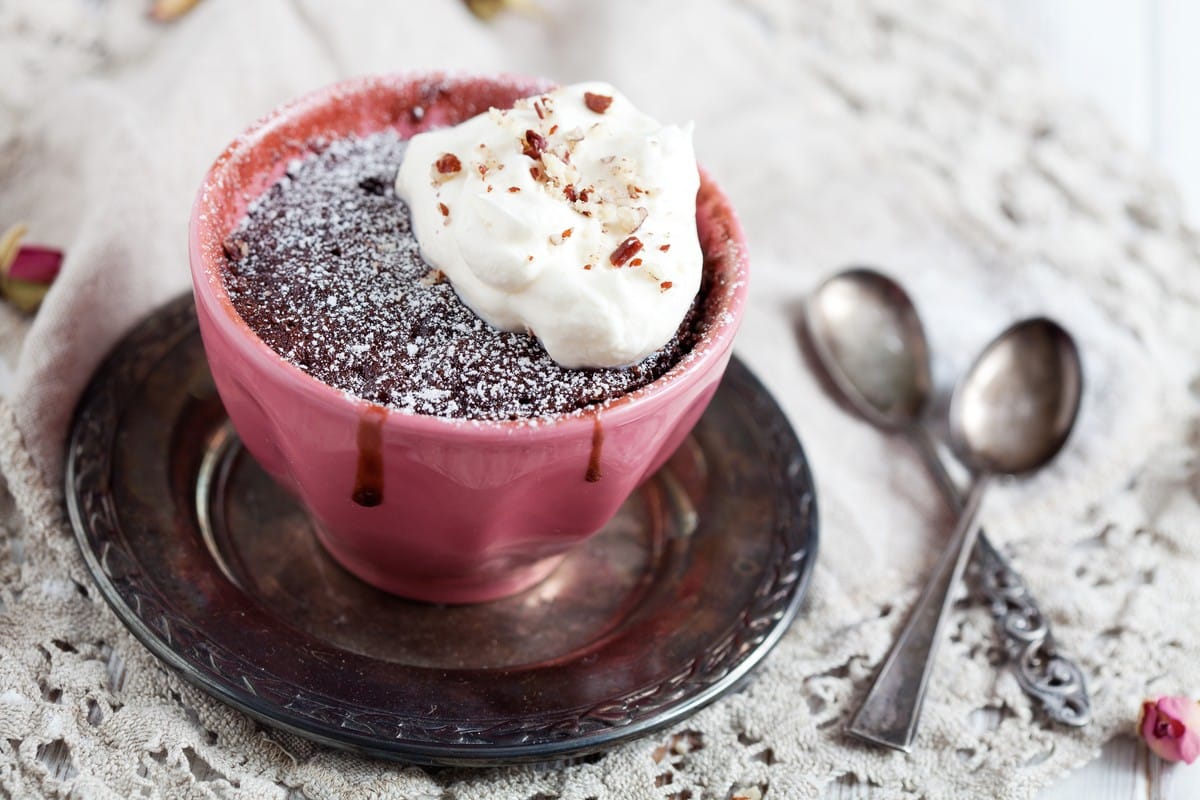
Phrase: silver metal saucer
(217,571)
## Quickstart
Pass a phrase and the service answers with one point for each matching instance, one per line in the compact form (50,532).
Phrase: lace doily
(919,137)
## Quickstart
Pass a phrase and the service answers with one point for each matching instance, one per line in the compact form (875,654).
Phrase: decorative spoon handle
(892,708)
(1046,676)
(1053,680)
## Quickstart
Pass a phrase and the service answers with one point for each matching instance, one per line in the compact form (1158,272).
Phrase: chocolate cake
(327,272)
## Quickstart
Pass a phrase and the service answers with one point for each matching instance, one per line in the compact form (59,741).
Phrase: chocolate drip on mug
(593,471)
(368,480)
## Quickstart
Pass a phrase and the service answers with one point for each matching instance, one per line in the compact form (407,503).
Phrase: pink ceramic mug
(438,509)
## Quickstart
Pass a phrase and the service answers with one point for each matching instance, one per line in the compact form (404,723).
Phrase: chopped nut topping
(665,247)
(597,102)
(536,173)
(587,266)
(569,192)
(534,145)
(625,251)
(557,238)
(448,164)
(559,170)
(235,249)
(537,107)
(637,262)
(514,189)
(665,285)
(445,209)
(642,213)
(553,129)
(433,277)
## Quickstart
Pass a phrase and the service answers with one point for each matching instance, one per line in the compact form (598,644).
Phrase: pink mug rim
(204,246)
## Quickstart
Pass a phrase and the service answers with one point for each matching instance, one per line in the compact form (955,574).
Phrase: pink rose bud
(26,271)
(1171,728)
(36,264)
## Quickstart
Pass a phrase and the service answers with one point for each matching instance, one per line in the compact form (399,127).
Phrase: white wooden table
(1125,771)
(1136,59)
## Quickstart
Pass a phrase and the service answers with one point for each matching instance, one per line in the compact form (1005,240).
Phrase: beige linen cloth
(913,135)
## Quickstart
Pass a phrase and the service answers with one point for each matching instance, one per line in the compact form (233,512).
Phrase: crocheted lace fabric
(918,136)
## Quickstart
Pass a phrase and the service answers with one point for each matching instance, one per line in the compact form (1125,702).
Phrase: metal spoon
(868,339)
(1009,415)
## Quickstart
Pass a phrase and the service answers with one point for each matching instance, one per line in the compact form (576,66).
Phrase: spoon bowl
(868,338)
(1014,409)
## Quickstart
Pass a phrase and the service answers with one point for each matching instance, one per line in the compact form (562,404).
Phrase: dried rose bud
(1171,728)
(26,272)
(168,10)
(36,264)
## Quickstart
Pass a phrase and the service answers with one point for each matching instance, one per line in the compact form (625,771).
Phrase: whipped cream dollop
(571,215)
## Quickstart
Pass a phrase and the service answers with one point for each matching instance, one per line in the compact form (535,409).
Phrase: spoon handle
(1048,677)
(892,708)
(1053,680)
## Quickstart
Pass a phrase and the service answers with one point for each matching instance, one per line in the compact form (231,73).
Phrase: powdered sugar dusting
(326,269)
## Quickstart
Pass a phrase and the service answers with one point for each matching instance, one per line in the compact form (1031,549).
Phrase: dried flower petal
(1171,728)
(26,272)
(10,243)
(487,9)
(24,295)
(36,264)
(168,10)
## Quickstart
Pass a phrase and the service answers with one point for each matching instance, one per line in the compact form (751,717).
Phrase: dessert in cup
(462,318)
